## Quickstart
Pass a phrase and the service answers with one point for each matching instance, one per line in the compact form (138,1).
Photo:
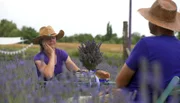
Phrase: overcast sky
(76,16)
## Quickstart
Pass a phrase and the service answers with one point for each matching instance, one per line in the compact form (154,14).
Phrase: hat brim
(58,36)
(175,25)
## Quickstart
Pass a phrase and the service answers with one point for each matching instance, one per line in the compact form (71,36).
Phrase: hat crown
(46,30)
(164,10)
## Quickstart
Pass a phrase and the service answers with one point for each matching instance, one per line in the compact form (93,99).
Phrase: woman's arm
(102,74)
(70,65)
(46,70)
(124,76)
(132,63)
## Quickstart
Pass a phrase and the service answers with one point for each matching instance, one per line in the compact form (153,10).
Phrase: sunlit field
(109,50)
(113,48)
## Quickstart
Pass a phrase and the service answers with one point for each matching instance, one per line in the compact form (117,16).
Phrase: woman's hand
(102,74)
(83,70)
(48,50)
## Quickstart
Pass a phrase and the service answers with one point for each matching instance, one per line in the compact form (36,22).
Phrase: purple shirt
(164,50)
(61,58)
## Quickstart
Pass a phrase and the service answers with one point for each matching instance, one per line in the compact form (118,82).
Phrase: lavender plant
(90,55)
(18,84)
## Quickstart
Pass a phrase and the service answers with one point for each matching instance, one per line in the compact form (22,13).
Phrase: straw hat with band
(163,13)
(47,31)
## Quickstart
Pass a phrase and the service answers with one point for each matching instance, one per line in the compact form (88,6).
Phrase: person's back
(161,52)
(165,51)
(158,50)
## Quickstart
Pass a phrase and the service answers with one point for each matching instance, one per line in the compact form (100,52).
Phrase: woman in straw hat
(162,50)
(49,60)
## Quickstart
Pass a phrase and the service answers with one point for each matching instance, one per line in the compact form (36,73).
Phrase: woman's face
(51,41)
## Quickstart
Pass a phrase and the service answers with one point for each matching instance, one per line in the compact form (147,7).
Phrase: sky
(77,16)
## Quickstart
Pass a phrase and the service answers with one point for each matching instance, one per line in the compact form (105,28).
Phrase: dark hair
(41,45)
(156,30)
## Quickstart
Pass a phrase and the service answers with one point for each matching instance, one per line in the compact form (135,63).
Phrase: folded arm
(46,69)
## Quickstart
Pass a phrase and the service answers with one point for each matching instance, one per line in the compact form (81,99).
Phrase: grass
(114,48)
(112,53)
(109,50)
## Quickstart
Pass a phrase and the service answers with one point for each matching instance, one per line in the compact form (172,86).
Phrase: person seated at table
(49,61)
(162,48)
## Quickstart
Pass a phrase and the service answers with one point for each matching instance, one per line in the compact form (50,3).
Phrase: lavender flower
(90,55)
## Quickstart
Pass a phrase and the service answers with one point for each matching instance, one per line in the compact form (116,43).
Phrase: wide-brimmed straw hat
(163,13)
(47,31)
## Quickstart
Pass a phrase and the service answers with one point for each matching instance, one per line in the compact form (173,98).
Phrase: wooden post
(125,40)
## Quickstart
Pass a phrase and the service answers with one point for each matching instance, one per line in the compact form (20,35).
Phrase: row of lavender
(19,83)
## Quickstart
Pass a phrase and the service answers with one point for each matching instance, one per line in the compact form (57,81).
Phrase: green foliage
(9,29)
(77,38)
(83,37)
(109,37)
(135,37)
(98,37)
(109,32)
(28,33)
(73,53)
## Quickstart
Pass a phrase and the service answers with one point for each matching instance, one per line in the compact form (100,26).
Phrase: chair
(128,51)
(171,86)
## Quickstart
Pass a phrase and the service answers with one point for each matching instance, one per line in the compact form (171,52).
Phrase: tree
(28,33)
(108,32)
(98,38)
(77,38)
(84,37)
(8,29)
(135,37)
